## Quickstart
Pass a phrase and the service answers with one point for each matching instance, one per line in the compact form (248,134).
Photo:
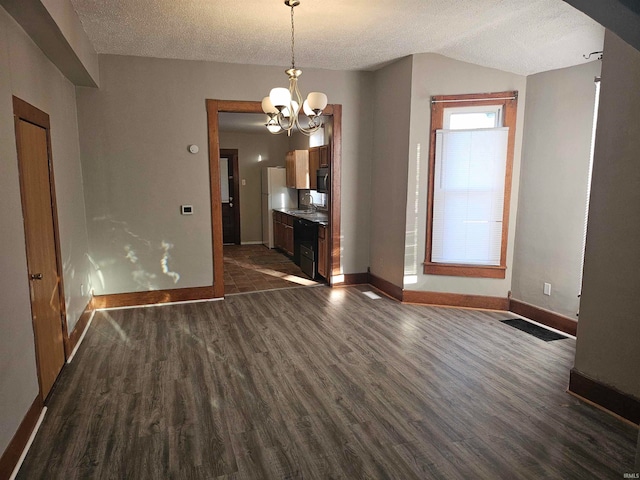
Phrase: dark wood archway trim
(237,106)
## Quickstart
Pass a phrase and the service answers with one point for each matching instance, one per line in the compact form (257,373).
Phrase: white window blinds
(468,198)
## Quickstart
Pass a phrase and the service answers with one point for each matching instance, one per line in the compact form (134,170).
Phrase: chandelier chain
(293,55)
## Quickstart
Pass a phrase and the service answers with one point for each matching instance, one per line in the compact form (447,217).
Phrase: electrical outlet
(547,289)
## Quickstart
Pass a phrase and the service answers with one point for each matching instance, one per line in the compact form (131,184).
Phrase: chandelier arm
(285,126)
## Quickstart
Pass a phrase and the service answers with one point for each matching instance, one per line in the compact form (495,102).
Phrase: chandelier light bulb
(285,111)
(272,125)
(317,101)
(267,106)
(307,110)
(280,97)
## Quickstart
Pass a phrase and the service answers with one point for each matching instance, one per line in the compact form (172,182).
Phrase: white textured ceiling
(519,36)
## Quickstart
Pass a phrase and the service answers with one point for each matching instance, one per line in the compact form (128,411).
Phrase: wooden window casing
(509,103)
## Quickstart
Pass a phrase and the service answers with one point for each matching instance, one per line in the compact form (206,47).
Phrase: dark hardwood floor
(320,383)
(253,268)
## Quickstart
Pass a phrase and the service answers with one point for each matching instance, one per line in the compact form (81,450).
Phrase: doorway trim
(214,107)
(28,113)
(232,153)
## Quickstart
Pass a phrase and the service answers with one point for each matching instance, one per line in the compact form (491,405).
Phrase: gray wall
(437,75)
(134,134)
(392,101)
(67,21)
(28,74)
(553,187)
(620,16)
(273,149)
(608,345)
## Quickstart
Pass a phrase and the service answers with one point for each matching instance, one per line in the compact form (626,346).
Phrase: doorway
(230,196)
(334,113)
(33,142)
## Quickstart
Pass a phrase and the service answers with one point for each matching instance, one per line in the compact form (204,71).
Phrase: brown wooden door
(35,184)
(230,193)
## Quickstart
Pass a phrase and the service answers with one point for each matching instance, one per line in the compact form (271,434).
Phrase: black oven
(305,245)
(323,180)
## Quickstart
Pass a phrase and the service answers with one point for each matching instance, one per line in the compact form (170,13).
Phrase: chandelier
(283,105)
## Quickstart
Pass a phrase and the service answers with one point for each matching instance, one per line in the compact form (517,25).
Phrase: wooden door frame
(214,107)
(233,154)
(28,113)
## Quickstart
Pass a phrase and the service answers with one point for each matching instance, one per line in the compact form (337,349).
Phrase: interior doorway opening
(255,251)
(230,196)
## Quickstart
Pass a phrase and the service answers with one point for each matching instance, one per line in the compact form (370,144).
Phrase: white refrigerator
(275,194)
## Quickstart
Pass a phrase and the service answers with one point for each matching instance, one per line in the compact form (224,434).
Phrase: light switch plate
(186,209)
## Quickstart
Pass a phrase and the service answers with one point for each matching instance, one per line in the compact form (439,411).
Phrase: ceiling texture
(518,36)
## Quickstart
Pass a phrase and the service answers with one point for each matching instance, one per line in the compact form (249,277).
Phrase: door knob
(36,276)
(231,205)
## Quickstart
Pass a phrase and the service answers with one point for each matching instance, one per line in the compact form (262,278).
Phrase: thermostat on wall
(194,148)
(186,209)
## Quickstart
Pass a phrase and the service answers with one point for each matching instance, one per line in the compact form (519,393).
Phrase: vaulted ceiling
(519,36)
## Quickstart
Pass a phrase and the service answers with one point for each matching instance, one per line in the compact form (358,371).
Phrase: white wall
(26,73)
(392,102)
(437,75)
(553,187)
(134,133)
(608,345)
(255,152)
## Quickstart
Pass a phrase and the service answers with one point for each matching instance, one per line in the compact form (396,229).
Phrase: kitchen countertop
(319,217)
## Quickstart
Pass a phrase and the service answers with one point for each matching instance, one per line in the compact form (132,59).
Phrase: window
(590,175)
(471,160)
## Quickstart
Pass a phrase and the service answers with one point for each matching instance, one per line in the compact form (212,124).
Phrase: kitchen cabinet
(277,230)
(324,156)
(297,163)
(314,164)
(323,251)
(288,238)
(318,158)
(283,232)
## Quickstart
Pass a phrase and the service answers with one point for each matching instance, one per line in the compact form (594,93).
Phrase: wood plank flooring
(320,383)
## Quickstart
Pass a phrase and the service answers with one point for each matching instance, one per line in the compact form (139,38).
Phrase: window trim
(509,102)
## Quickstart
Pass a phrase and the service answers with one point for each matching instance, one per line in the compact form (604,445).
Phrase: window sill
(454,270)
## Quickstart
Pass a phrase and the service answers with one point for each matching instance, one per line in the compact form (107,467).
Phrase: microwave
(323,180)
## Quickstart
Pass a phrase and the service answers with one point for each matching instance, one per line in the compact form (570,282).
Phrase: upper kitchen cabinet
(298,175)
(324,156)
(318,158)
(314,164)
